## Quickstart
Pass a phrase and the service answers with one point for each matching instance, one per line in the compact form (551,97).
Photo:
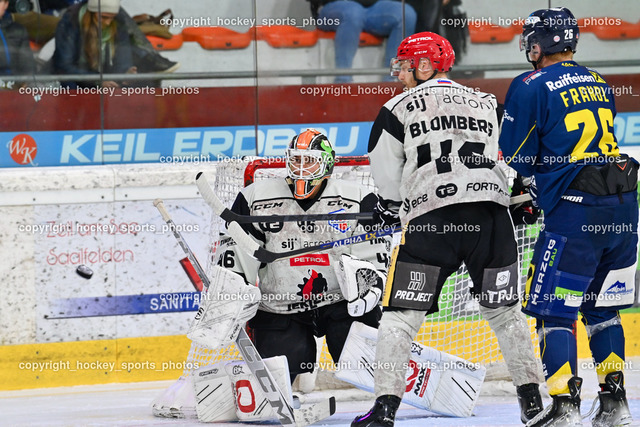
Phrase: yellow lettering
(583,93)
(574,96)
(563,95)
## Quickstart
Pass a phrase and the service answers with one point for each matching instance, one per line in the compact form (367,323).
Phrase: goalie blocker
(225,307)
(435,381)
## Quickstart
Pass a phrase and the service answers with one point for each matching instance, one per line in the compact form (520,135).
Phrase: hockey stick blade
(274,395)
(229,216)
(314,413)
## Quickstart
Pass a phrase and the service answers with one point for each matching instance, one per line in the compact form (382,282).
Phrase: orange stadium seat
(624,30)
(584,27)
(366,39)
(284,36)
(35,47)
(160,43)
(216,37)
(488,33)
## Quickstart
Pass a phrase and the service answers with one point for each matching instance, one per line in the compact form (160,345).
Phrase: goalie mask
(310,159)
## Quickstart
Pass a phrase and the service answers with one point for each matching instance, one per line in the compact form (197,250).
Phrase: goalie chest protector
(308,281)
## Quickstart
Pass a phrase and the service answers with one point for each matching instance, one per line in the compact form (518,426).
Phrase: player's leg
(612,289)
(385,18)
(563,266)
(288,335)
(425,259)
(606,341)
(346,18)
(492,259)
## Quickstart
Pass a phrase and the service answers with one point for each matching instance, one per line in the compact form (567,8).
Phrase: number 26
(607,143)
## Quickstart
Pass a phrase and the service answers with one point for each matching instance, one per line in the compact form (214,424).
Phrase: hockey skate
(529,400)
(564,411)
(382,414)
(614,409)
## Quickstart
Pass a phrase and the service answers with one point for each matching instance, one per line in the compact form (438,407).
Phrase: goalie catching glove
(523,213)
(225,308)
(360,283)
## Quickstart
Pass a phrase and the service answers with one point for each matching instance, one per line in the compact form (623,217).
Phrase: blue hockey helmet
(554,30)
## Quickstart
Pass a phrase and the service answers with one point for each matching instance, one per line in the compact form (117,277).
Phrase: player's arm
(386,154)
(387,159)
(361,271)
(519,131)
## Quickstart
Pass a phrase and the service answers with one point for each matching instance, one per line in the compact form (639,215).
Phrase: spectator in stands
(446,18)
(81,50)
(42,28)
(348,18)
(15,54)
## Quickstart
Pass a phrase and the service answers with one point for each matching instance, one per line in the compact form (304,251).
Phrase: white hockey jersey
(303,282)
(436,145)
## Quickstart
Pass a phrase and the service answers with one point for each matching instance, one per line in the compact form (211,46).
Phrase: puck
(84,271)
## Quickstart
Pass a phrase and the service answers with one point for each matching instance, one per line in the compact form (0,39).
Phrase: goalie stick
(229,216)
(285,413)
(263,255)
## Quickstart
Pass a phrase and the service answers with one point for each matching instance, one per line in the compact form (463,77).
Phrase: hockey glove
(386,213)
(523,213)
(360,283)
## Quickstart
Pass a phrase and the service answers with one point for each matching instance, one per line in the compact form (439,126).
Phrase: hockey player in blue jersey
(558,128)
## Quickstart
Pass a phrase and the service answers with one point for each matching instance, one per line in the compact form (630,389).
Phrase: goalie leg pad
(250,402)
(224,309)
(214,396)
(431,380)
(514,338)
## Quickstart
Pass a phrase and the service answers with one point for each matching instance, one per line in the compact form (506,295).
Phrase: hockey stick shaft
(228,215)
(249,353)
(261,254)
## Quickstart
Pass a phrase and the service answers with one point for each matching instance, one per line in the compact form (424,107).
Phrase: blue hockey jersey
(557,120)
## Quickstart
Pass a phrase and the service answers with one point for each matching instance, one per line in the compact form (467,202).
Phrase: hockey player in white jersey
(308,296)
(433,151)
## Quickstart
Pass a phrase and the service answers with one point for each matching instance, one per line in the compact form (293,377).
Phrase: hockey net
(458,328)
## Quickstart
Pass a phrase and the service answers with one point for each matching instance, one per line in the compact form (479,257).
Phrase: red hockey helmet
(427,45)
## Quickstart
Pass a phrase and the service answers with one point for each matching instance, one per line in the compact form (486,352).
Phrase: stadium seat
(584,27)
(216,37)
(366,39)
(284,36)
(488,33)
(160,43)
(35,47)
(623,31)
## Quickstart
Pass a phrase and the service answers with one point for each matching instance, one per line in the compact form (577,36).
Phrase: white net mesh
(457,328)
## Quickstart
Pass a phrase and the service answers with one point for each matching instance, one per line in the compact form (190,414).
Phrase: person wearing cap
(92,38)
